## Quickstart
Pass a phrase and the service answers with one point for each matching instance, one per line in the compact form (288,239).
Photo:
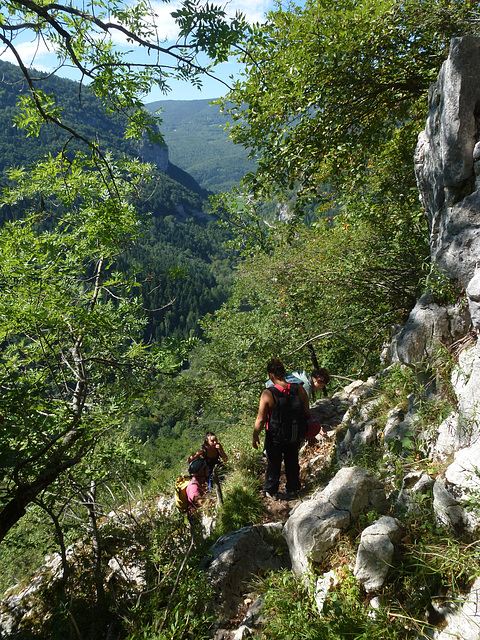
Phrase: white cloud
(32,54)
(167,28)
(254,11)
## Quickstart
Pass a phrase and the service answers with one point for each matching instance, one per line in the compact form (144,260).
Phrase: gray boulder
(428,325)
(237,557)
(414,485)
(375,553)
(449,511)
(316,524)
(446,439)
(459,489)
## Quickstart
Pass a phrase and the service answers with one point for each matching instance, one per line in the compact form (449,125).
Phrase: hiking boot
(272,496)
(292,495)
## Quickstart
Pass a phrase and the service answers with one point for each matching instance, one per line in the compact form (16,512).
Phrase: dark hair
(196,467)
(325,375)
(207,435)
(276,367)
(321,373)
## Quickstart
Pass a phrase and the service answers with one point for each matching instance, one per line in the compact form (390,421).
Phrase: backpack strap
(281,390)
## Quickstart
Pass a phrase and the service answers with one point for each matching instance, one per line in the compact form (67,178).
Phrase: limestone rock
(462,616)
(444,162)
(414,484)
(428,324)
(466,383)
(473,294)
(324,584)
(153,152)
(447,438)
(375,553)
(315,524)
(238,556)
(460,485)
(449,511)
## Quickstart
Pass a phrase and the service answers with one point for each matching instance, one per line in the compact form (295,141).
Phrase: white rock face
(428,325)
(460,485)
(473,290)
(154,153)
(316,524)
(462,617)
(447,437)
(466,383)
(444,162)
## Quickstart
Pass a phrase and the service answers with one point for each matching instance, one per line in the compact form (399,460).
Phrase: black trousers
(275,454)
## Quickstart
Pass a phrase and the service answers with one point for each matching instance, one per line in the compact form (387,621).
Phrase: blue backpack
(287,422)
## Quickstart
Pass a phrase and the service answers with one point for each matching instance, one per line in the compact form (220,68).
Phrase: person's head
(320,377)
(210,438)
(198,469)
(276,368)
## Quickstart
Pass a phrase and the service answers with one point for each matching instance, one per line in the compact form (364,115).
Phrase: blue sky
(37,54)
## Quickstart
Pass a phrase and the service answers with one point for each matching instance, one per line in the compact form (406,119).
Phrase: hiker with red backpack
(284,411)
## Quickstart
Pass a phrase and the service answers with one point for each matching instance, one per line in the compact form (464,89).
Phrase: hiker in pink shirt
(197,487)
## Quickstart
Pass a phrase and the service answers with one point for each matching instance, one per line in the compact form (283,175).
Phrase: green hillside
(181,260)
(198,144)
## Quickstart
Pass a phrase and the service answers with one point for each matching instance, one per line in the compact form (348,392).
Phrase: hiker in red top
(284,410)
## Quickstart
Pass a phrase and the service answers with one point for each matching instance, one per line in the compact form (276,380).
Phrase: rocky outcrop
(458,489)
(428,325)
(153,152)
(466,383)
(316,524)
(239,556)
(444,162)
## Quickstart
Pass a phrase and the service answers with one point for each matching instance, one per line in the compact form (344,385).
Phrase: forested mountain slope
(193,131)
(181,260)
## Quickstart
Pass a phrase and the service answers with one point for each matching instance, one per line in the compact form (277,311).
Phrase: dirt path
(313,460)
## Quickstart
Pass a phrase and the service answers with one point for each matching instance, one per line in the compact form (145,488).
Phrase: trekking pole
(218,489)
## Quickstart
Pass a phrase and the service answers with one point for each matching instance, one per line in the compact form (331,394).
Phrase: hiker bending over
(316,381)
(212,452)
(197,487)
(285,428)
(320,379)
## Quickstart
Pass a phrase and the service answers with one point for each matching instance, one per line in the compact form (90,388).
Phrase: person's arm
(194,456)
(266,403)
(198,498)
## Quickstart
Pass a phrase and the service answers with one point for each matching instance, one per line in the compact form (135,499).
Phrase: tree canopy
(74,362)
(87,38)
(326,85)
(331,102)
